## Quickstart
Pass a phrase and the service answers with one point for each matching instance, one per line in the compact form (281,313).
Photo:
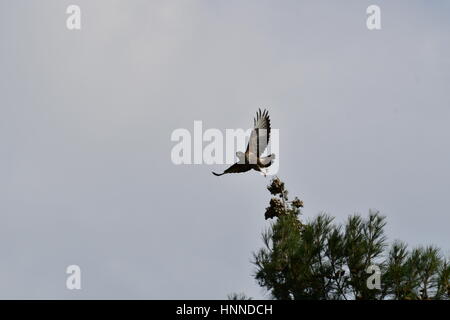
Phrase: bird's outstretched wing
(260,135)
(235,168)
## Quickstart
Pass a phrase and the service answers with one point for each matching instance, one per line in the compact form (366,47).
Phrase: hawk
(259,139)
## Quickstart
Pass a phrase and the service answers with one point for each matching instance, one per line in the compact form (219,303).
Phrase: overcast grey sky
(86,117)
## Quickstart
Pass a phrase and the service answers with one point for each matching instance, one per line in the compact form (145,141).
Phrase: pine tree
(322,260)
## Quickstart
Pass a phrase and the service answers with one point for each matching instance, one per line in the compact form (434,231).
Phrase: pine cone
(276,186)
(297,203)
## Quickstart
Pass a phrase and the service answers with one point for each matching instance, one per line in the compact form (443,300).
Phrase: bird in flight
(259,139)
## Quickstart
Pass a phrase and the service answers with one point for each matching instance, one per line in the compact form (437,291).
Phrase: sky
(86,117)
